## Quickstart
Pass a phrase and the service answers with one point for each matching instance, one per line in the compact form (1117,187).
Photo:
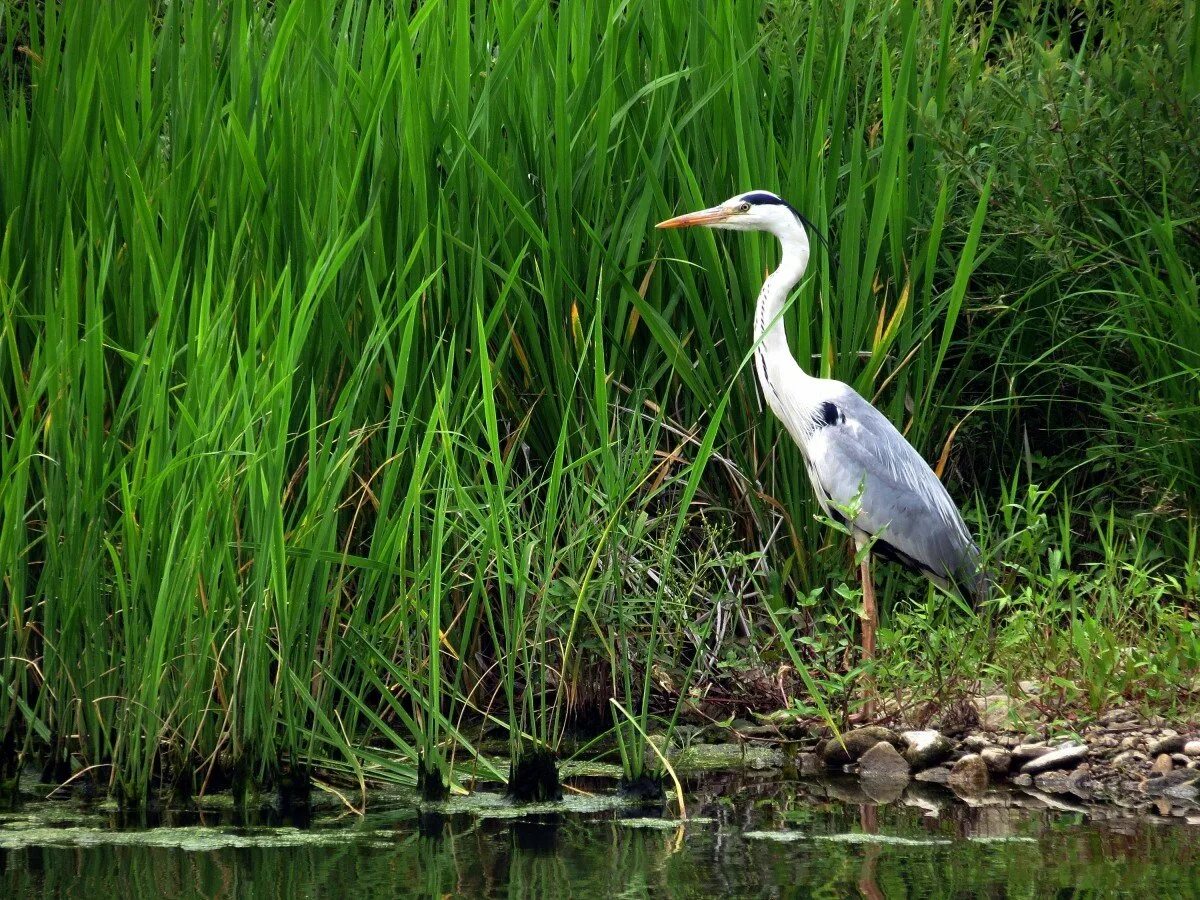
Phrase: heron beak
(711,216)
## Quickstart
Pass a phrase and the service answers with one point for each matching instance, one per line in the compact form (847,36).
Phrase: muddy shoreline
(1119,764)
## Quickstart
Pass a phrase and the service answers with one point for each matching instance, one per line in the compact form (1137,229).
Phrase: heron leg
(870,623)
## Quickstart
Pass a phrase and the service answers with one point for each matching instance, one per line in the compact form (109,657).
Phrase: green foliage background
(349,398)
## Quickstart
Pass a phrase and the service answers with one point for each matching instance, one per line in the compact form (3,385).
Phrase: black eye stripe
(762,198)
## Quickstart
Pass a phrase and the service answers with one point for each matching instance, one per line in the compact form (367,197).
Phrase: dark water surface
(747,838)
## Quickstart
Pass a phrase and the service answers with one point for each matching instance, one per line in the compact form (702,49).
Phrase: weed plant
(356,421)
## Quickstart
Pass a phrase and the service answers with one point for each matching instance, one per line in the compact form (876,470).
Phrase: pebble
(1192,748)
(969,775)
(1063,758)
(1023,780)
(1180,759)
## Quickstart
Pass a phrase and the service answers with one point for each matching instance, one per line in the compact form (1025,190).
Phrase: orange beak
(703,217)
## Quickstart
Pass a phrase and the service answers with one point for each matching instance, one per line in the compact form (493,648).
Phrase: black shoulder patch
(828,414)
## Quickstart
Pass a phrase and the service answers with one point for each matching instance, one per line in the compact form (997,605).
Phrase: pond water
(747,836)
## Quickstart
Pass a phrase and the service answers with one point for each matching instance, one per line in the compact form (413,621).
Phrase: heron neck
(773,355)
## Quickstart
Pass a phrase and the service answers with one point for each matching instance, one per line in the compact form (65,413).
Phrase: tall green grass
(354,415)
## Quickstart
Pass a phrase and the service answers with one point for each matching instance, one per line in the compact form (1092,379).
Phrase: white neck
(774,362)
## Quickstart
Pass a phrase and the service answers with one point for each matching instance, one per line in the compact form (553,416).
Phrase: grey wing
(902,502)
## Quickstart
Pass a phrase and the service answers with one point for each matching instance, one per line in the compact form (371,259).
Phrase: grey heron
(858,463)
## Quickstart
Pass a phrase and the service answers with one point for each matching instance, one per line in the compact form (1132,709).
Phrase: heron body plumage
(857,461)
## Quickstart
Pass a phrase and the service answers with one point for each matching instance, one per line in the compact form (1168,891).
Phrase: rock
(1120,714)
(969,775)
(1162,764)
(1192,748)
(808,765)
(1180,759)
(926,748)
(1078,782)
(1023,753)
(1023,780)
(1168,743)
(976,742)
(1187,791)
(1063,758)
(936,775)
(1129,743)
(855,743)
(883,762)
(1130,759)
(1032,688)
(997,759)
(995,711)
(1158,785)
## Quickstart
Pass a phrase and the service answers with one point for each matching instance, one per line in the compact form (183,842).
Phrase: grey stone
(883,762)
(1180,759)
(1168,743)
(1160,784)
(1063,758)
(969,775)
(1023,753)
(995,711)
(1054,782)
(1187,791)
(975,742)
(808,765)
(1130,759)
(855,743)
(1023,780)
(936,775)
(1120,714)
(926,748)
(997,759)
(1192,748)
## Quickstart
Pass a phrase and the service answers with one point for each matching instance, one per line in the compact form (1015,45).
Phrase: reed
(355,418)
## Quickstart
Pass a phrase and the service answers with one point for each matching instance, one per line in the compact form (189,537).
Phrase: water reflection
(924,843)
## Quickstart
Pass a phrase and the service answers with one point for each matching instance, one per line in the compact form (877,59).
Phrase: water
(749,837)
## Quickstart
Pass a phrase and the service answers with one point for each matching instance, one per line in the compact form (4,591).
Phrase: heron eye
(744,207)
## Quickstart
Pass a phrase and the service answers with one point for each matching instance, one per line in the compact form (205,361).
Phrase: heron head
(752,211)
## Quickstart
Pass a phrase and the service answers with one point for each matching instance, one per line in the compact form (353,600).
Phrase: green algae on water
(197,838)
(726,757)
